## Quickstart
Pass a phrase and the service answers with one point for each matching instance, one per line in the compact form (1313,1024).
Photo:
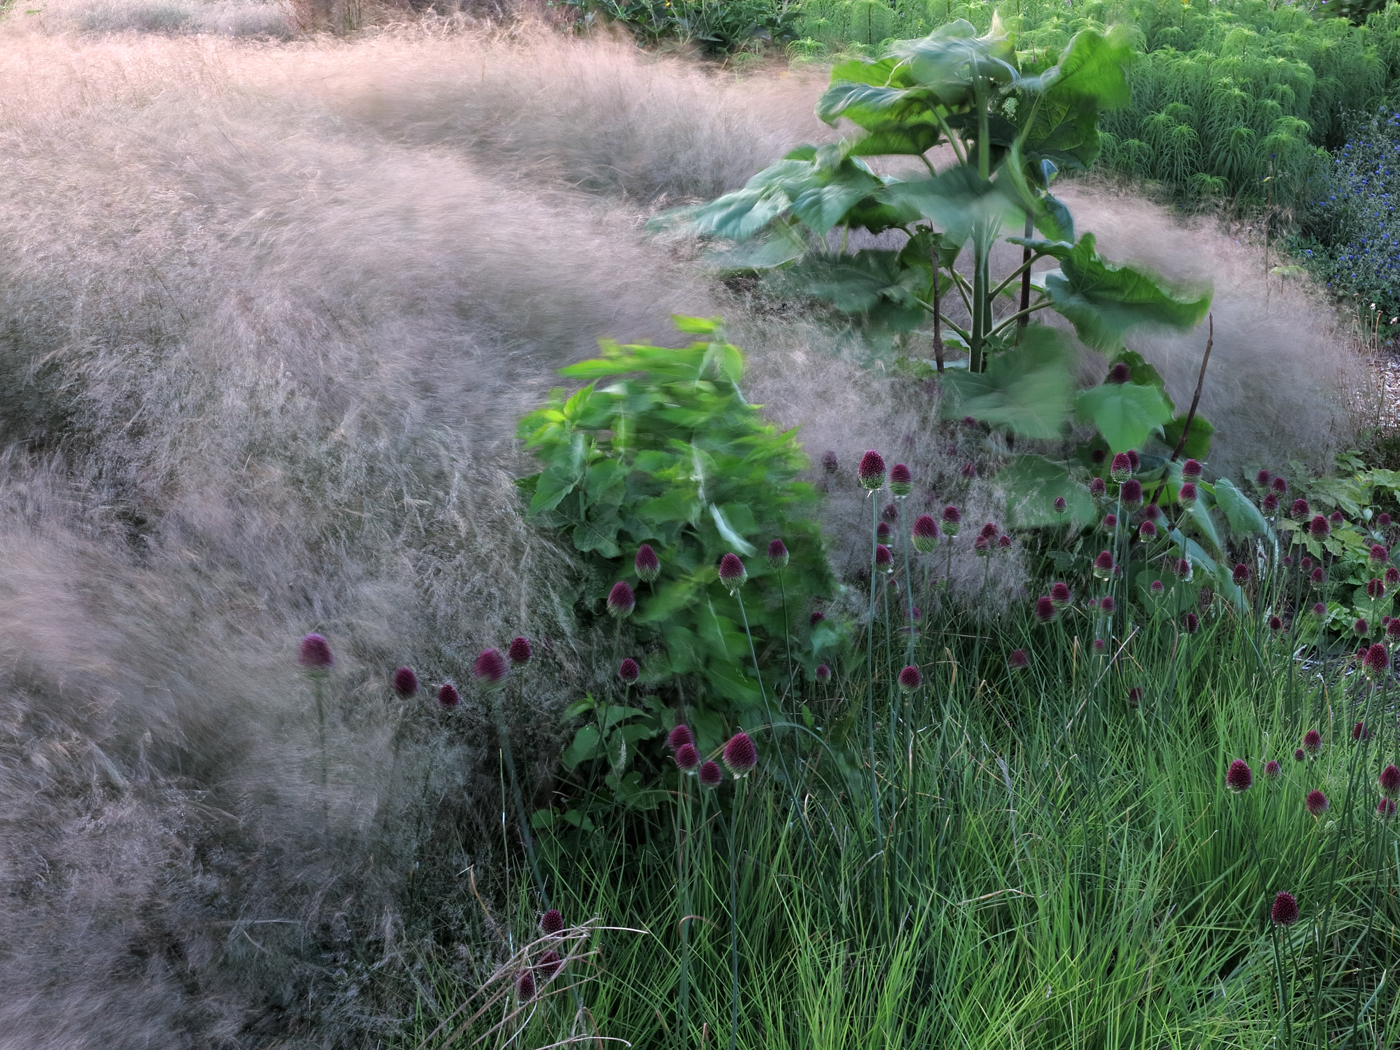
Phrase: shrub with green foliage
(660,447)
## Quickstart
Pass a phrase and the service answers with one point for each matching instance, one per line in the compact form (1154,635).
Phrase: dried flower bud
(1239,777)
(1121,469)
(1301,508)
(871,471)
(679,737)
(621,600)
(687,758)
(519,650)
(1317,803)
(1312,741)
(629,670)
(777,554)
(315,654)
(740,755)
(405,682)
(448,696)
(1018,660)
(901,480)
(1130,492)
(1285,910)
(910,678)
(732,572)
(490,667)
(1191,470)
(925,536)
(647,564)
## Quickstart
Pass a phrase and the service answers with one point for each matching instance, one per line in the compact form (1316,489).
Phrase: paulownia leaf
(1032,483)
(954,200)
(1026,390)
(1197,440)
(1240,512)
(1125,413)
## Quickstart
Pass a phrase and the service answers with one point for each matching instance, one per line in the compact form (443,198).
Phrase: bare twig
(1195,400)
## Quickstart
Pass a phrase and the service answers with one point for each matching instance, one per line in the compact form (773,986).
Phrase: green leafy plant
(661,447)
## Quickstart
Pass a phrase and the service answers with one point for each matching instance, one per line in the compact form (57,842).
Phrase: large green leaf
(1103,301)
(1026,390)
(954,200)
(1197,440)
(1125,413)
(1240,511)
(1033,482)
(952,58)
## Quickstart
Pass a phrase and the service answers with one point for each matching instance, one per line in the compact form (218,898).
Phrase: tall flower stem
(767,708)
(740,795)
(1284,1028)
(683,876)
(792,674)
(870,668)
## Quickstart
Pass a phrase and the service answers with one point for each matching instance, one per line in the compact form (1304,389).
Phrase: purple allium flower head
(1317,803)
(1061,507)
(621,600)
(871,471)
(901,480)
(1241,574)
(1099,645)
(1361,653)
(1301,508)
(777,554)
(405,682)
(629,670)
(1299,755)
(448,695)
(1191,623)
(1361,628)
(1270,503)
(1377,661)
(1045,608)
(1121,468)
(732,572)
(549,964)
(1134,459)
(1147,530)
(519,650)
(1059,593)
(1096,487)
(1383,520)
(1135,696)
(1018,660)
(1318,526)
(1312,741)
(823,672)
(891,512)
(982,545)
(490,667)
(1375,588)
(552,923)
(647,564)
(1187,496)
(884,560)
(1182,569)
(1275,624)
(829,461)
(1285,910)
(1191,470)
(1130,492)
(915,613)
(1392,575)
(817,617)
(925,536)
(1385,809)
(1360,733)
(687,758)
(910,678)
(1272,770)
(1390,781)
(525,985)
(969,470)
(1106,603)
(1280,486)
(740,755)
(1336,518)
(989,530)
(1004,542)
(315,654)
(1119,373)
(1239,777)
(1103,564)
(1379,555)
(679,736)
(1110,521)
(1097,456)
(1263,478)
(1317,576)
(952,520)
(882,532)
(1306,563)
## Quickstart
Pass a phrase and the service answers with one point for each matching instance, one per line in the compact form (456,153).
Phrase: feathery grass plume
(901,480)
(1378,555)
(687,757)
(679,737)
(882,532)
(871,471)
(829,462)
(1385,809)
(629,670)
(1103,565)
(1301,508)
(552,923)
(1280,486)
(1119,373)
(710,775)
(1191,470)
(910,678)
(519,651)
(952,520)
(314,655)
(1360,732)
(1018,660)
(1263,478)
(823,672)
(405,682)
(1284,911)
(1319,526)
(1187,495)
(447,695)
(1390,781)
(1045,609)
(1191,623)
(1097,488)
(1147,531)
(1130,492)
(1298,755)
(884,560)
(621,600)
(1059,593)
(646,563)
(1375,588)
(1272,770)
(1241,574)
(1361,628)
(1275,624)
(732,572)
(1312,741)
(1317,803)
(1121,469)
(925,534)
(490,667)
(777,554)
(525,985)
(1270,503)
(1239,777)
